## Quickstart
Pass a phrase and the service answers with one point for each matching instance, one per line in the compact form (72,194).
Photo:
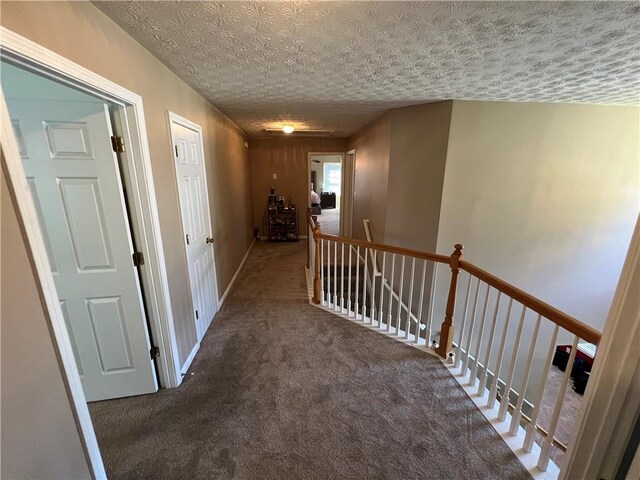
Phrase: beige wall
(400,161)
(419,138)
(40,438)
(288,158)
(95,42)
(372,146)
(545,196)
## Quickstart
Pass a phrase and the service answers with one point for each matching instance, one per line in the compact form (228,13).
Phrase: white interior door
(74,177)
(196,221)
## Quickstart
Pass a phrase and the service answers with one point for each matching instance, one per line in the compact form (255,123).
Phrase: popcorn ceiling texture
(338,65)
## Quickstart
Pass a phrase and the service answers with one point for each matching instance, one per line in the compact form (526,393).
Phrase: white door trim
(34,57)
(186,123)
(349,174)
(308,204)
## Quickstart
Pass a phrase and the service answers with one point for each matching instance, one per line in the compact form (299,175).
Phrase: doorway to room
(65,139)
(327,190)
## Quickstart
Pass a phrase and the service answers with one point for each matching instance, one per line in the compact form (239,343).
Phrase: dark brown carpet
(283,390)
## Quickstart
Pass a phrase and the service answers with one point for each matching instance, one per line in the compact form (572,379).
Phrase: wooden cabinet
(282,224)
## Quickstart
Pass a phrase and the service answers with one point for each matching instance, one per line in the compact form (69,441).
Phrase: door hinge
(117,143)
(138,259)
(197,316)
(176,147)
(154,352)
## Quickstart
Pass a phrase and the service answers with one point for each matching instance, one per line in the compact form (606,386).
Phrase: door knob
(209,239)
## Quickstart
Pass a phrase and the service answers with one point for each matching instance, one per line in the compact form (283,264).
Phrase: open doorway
(66,147)
(80,146)
(327,190)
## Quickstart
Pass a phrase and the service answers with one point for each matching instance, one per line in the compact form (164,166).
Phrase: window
(332,177)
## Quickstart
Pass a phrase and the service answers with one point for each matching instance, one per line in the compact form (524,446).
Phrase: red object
(579,354)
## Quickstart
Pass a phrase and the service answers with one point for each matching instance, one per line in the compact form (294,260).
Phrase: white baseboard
(235,276)
(188,362)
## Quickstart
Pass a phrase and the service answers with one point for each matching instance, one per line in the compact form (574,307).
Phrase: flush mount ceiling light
(287,129)
(299,132)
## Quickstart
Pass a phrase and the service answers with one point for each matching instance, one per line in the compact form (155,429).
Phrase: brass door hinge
(154,352)
(138,259)
(117,143)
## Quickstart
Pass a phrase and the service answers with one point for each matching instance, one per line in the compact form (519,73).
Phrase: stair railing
(514,372)
(359,278)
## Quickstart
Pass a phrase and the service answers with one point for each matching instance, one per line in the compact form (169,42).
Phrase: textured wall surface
(96,38)
(339,65)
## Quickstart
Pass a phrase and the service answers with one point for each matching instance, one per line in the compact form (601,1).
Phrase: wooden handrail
(434,257)
(585,332)
(556,316)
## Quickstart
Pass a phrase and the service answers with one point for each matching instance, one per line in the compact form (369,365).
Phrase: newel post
(446,333)
(316,275)
(308,265)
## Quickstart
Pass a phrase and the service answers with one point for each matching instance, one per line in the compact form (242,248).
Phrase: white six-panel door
(196,221)
(74,177)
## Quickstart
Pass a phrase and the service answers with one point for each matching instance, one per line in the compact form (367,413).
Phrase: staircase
(342,286)
(387,289)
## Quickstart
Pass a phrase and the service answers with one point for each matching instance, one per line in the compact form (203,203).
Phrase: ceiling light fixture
(287,129)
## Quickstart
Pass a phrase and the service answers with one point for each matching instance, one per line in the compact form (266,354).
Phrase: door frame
(349,182)
(174,118)
(144,222)
(342,191)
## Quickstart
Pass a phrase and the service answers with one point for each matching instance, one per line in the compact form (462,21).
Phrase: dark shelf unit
(282,224)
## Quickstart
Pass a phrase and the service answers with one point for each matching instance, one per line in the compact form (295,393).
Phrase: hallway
(283,390)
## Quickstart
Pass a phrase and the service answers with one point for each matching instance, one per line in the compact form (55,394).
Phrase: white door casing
(75,182)
(196,220)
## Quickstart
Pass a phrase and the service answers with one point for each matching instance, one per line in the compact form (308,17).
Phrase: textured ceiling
(338,65)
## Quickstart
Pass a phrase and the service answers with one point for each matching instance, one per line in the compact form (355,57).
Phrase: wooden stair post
(446,333)
(308,265)
(316,276)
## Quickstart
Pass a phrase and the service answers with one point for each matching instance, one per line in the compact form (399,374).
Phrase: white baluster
(504,403)
(342,279)
(543,460)
(329,275)
(372,312)
(531,427)
(410,304)
(421,301)
(323,301)
(335,275)
(381,302)
(355,313)
(522,391)
(472,325)
(393,271)
(487,356)
(463,321)
(476,356)
(349,282)
(493,389)
(399,314)
(364,284)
